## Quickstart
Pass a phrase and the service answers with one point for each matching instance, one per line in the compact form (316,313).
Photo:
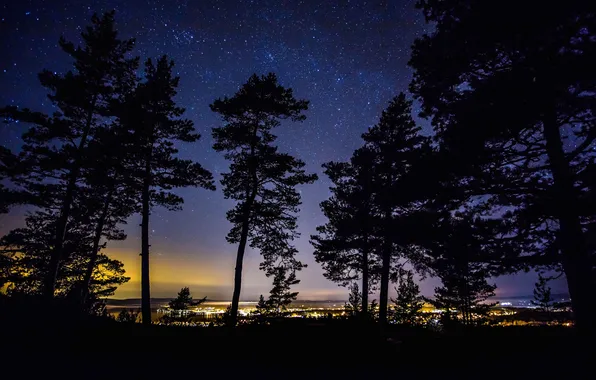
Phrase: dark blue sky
(349,58)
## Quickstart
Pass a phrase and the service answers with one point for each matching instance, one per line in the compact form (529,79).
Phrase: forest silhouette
(493,191)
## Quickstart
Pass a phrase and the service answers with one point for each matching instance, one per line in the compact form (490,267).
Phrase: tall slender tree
(262,180)
(154,123)
(54,147)
(504,110)
(346,244)
(396,144)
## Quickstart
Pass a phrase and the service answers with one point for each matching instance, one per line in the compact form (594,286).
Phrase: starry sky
(349,58)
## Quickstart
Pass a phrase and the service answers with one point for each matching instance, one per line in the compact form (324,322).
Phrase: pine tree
(457,260)
(396,145)
(354,306)
(178,307)
(464,290)
(261,180)
(184,300)
(55,145)
(344,245)
(225,319)
(127,316)
(27,250)
(531,87)
(280,296)
(542,295)
(262,310)
(408,303)
(110,189)
(154,123)
(262,306)
(373,310)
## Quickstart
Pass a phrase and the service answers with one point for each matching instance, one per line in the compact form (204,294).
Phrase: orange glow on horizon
(168,273)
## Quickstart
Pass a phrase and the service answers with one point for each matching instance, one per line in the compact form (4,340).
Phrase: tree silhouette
(225,319)
(154,123)
(396,145)
(54,147)
(261,180)
(354,306)
(344,245)
(530,88)
(178,307)
(27,253)
(184,300)
(110,190)
(128,316)
(542,294)
(262,310)
(280,296)
(457,261)
(409,302)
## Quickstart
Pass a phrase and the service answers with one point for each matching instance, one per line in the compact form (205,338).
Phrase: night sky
(347,57)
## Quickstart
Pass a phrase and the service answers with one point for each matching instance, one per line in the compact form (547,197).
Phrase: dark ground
(35,348)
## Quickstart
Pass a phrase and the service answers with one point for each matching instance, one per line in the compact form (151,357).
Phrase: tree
(464,291)
(280,296)
(184,300)
(462,255)
(225,319)
(128,316)
(110,190)
(503,110)
(54,147)
(464,276)
(344,245)
(261,180)
(395,144)
(154,123)
(262,310)
(542,294)
(409,302)
(354,306)
(373,310)
(178,307)
(27,253)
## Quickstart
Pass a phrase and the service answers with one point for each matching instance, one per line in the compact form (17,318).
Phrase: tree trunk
(56,255)
(239,263)
(575,256)
(251,193)
(365,282)
(387,250)
(95,250)
(145,284)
